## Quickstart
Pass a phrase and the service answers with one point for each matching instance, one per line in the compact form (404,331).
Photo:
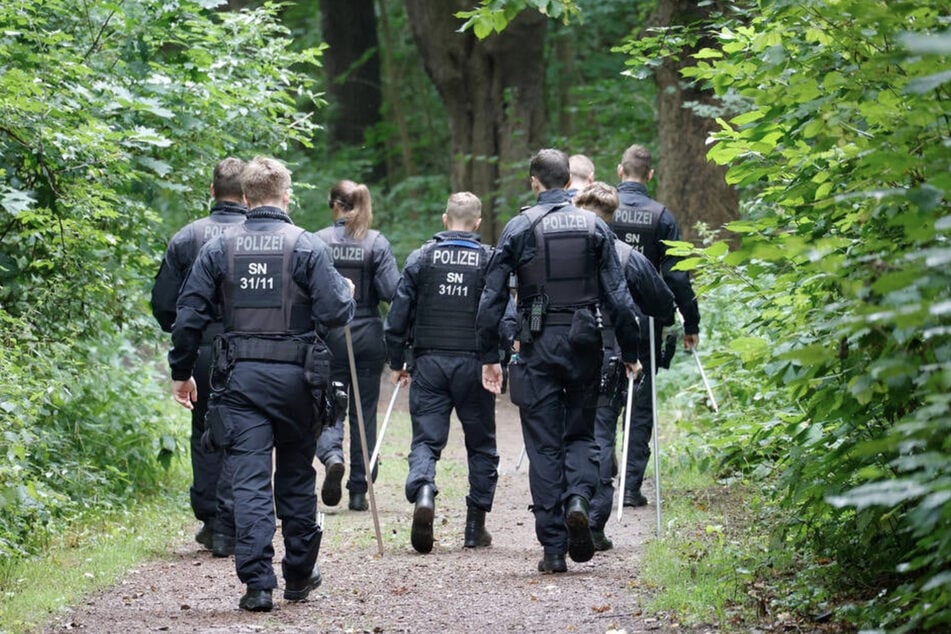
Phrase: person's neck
(269,203)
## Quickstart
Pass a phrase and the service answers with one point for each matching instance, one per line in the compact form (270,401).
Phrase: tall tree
(493,90)
(352,63)
(692,186)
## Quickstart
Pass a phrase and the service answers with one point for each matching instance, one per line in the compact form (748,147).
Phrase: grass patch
(92,555)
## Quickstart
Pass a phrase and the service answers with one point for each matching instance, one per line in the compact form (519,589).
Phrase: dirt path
(451,589)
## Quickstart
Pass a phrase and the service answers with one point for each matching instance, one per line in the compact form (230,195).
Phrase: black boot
(580,545)
(552,562)
(256,601)
(476,535)
(634,499)
(299,589)
(421,534)
(358,502)
(330,490)
(222,545)
(204,535)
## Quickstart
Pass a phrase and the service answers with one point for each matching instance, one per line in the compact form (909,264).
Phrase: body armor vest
(636,226)
(565,268)
(204,229)
(450,283)
(259,295)
(354,259)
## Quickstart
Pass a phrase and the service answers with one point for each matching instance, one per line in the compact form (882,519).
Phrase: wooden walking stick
(363,437)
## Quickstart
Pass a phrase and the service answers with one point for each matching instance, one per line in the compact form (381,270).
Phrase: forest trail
(452,589)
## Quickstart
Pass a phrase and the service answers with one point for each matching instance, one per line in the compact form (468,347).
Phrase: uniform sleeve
(678,281)
(399,320)
(387,273)
(650,293)
(168,282)
(195,309)
(615,293)
(495,294)
(331,302)
(508,329)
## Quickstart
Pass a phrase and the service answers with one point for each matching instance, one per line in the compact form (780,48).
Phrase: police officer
(652,298)
(362,255)
(277,287)
(644,224)
(567,269)
(211,505)
(581,171)
(434,313)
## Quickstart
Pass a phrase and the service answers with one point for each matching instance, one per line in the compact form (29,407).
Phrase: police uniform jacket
(369,263)
(632,194)
(311,268)
(398,328)
(516,248)
(181,253)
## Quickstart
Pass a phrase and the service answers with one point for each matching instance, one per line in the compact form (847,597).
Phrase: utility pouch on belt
(670,347)
(219,428)
(584,333)
(222,364)
(317,374)
(520,390)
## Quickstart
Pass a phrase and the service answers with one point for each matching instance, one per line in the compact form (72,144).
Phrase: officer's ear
(477,223)
(445,221)
(286,198)
(620,172)
(650,174)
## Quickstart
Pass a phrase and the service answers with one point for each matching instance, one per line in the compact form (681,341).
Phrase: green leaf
(922,85)
(884,493)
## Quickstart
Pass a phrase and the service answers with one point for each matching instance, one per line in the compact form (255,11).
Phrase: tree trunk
(692,187)
(352,64)
(493,91)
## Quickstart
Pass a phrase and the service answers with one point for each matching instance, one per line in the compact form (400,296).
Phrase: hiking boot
(634,499)
(204,535)
(256,601)
(421,535)
(222,545)
(601,541)
(580,547)
(358,502)
(299,590)
(552,562)
(476,536)
(331,490)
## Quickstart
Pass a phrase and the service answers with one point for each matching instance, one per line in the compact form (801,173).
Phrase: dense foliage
(842,150)
(111,118)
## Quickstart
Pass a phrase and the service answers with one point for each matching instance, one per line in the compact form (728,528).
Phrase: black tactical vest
(636,225)
(450,283)
(259,295)
(209,227)
(354,260)
(565,266)
(608,339)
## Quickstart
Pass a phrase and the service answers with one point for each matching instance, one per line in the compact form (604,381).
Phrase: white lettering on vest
(631,216)
(563,222)
(213,231)
(346,253)
(459,257)
(253,243)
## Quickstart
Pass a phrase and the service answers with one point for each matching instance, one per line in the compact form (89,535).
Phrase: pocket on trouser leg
(219,425)
(520,389)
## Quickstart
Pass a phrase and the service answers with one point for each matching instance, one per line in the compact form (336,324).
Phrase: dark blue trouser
(206,465)
(555,386)
(440,383)
(267,407)
(370,355)
(605,436)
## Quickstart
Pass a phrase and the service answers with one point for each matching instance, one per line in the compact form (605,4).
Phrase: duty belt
(276,350)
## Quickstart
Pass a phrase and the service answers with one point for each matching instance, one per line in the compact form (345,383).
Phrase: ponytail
(353,203)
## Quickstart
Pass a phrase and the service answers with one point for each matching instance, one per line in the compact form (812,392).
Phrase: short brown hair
(636,162)
(580,167)
(464,208)
(264,179)
(598,197)
(226,178)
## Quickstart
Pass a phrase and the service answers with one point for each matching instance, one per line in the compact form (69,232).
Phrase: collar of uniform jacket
(269,213)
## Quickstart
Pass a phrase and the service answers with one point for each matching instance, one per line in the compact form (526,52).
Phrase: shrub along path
(451,589)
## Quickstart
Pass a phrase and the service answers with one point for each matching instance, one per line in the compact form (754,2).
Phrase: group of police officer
(257,311)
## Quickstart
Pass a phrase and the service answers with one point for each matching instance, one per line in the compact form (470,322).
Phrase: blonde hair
(580,167)
(598,197)
(352,201)
(636,162)
(264,180)
(464,208)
